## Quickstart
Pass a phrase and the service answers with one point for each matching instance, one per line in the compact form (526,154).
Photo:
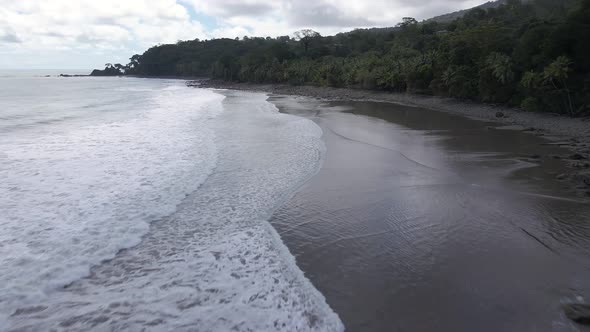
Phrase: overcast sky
(70,34)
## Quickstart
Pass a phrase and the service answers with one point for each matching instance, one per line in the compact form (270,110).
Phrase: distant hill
(543,8)
(446,18)
(458,14)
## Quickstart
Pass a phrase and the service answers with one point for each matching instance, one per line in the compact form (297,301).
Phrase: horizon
(91,34)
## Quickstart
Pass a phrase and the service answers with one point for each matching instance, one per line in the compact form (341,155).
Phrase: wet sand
(424,221)
(572,133)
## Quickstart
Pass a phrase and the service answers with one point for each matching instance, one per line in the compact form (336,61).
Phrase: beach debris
(577,312)
(566,143)
(561,176)
(577,156)
(510,127)
(583,178)
(581,165)
(500,114)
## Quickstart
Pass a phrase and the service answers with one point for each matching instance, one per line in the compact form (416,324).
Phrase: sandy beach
(424,221)
(570,133)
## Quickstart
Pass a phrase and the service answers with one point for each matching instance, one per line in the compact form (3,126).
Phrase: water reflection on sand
(422,221)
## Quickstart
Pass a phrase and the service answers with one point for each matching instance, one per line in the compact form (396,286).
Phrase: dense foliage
(535,55)
(110,70)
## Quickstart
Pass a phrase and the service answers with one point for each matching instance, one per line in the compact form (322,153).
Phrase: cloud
(322,14)
(271,18)
(32,27)
(67,29)
(92,22)
(9,38)
(233,8)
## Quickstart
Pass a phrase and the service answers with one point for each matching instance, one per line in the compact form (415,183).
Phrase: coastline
(410,204)
(201,255)
(165,77)
(572,134)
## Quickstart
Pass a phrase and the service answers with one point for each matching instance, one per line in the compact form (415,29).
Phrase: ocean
(144,204)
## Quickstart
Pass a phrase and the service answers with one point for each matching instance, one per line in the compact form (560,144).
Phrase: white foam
(215,264)
(74,198)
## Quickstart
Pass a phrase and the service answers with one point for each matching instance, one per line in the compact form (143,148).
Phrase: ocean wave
(73,199)
(213,262)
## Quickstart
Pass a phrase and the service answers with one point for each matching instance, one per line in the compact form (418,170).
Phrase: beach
(423,221)
(145,204)
(570,133)
(295,166)
(139,204)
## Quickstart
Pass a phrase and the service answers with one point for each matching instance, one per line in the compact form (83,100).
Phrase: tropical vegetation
(533,54)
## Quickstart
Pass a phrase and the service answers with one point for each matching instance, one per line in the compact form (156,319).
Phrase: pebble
(579,313)
(577,156)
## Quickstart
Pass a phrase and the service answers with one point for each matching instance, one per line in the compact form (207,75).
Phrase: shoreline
(572,134)
(409,204)
(168,77)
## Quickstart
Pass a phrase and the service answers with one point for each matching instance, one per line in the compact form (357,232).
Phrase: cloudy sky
(70,34)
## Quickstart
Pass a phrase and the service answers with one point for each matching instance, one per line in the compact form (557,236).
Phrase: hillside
(533,55)
(447,18)
(543,8)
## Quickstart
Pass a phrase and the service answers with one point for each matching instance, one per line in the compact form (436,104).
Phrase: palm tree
(448,77)
(501,67)
(557,74)
(529,80)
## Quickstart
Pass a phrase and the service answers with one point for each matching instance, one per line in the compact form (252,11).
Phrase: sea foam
(213,263)
(74,197)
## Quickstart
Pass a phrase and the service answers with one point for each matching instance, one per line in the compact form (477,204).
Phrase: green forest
(534,55)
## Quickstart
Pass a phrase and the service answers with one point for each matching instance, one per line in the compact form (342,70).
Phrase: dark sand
(425,221)
(572,133)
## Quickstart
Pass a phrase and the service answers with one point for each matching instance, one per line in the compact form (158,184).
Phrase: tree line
(534,55)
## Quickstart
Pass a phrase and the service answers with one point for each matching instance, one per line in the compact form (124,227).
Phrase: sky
(85,34)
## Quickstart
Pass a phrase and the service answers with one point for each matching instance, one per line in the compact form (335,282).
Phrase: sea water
(143,204)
